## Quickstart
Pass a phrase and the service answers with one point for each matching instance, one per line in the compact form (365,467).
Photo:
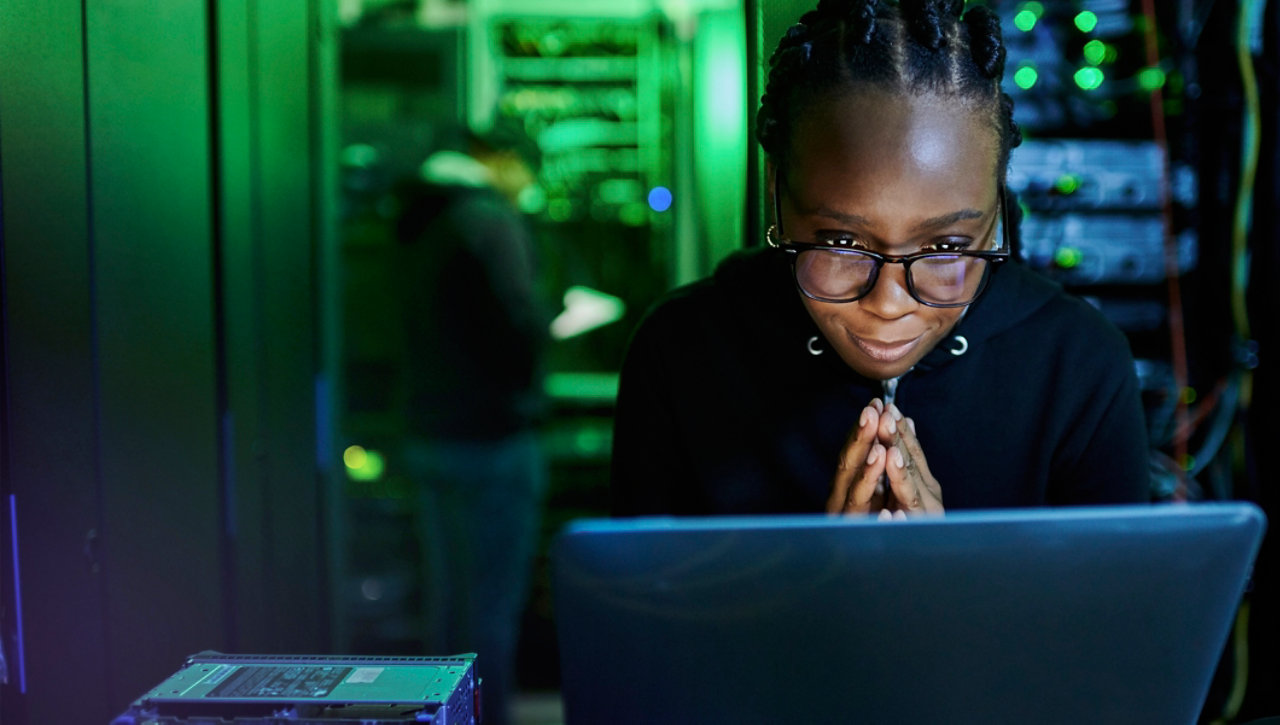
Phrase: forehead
(876,144)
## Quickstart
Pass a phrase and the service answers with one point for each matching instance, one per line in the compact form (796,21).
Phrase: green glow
(1025,21)
(719,136)
(1026,77)
(1151,78)
(1068,257)
(1188,462)
(634,214)
(1035,8)
(560,210)
(1067,184)
(363,464)
(354,456)
(1188,395)
(1086,21)
(1095,52)
(582,386)
(616,192)
(589,441)
(1089,78)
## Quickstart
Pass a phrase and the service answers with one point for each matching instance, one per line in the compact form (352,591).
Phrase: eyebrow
(932,223)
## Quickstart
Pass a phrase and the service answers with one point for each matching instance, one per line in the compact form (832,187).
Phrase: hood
(1014,293)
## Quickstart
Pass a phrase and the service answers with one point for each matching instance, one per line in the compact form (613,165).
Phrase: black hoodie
(724,408)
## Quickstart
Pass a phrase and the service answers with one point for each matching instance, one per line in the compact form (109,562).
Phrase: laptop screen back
(1115,614)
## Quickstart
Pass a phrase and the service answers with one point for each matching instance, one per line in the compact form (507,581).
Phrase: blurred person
(475,333)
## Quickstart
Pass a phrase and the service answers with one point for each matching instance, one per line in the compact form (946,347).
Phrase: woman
(883,354)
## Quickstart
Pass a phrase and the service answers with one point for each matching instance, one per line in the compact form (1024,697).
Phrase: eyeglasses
(829,273)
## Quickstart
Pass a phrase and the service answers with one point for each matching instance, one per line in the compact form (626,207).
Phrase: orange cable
(1177,331)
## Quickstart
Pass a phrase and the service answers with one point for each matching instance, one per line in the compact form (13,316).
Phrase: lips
(885,352)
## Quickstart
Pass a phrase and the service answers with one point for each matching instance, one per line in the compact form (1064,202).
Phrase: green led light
(1026,77)
(1025,21)
(1188,462)
(1067,257)
(1067,184)
(1034,8)
(363,464)
(1089,78)
(1151,78)
(1095,52)
(1188,395)
(355,456)
(1086,21)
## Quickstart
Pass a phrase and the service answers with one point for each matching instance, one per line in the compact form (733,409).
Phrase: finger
(863,492)
(877,404)
(916,490)
(903,432)
(903,479)
(888,431)
(914,452)
(852,458)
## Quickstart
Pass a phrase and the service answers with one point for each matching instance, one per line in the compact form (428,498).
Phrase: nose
(889,299)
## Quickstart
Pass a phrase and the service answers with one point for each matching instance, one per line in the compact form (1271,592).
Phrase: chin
(876,369)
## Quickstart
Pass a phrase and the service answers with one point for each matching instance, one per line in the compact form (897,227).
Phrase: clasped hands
(882,469)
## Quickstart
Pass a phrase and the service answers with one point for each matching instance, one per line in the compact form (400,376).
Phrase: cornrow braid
(784,63)
(984,41)
(908,46)
(925,20)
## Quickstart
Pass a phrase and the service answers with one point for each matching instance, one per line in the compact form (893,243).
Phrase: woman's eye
(842,240)
(958,244)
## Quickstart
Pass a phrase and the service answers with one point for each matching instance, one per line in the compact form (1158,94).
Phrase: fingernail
(884,515)
(866,418)
(912,425)
(897,457)
(893,425)
(874,454)
(897,414)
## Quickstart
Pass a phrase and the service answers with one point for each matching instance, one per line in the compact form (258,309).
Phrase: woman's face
(894,175)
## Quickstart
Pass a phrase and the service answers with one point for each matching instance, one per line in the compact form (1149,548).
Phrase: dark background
(190,226)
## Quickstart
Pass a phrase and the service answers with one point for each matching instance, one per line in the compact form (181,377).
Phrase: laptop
(1079,615)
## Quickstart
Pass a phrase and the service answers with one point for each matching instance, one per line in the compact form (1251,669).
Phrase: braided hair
(909,46)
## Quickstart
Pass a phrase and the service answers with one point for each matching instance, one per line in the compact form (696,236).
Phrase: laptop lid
(1101,614)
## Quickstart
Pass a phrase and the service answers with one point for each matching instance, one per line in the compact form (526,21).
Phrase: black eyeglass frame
(793,250)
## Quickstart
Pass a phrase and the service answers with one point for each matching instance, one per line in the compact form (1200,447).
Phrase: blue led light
(659,198)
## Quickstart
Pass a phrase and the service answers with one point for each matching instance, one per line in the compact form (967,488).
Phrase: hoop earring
(771,236)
